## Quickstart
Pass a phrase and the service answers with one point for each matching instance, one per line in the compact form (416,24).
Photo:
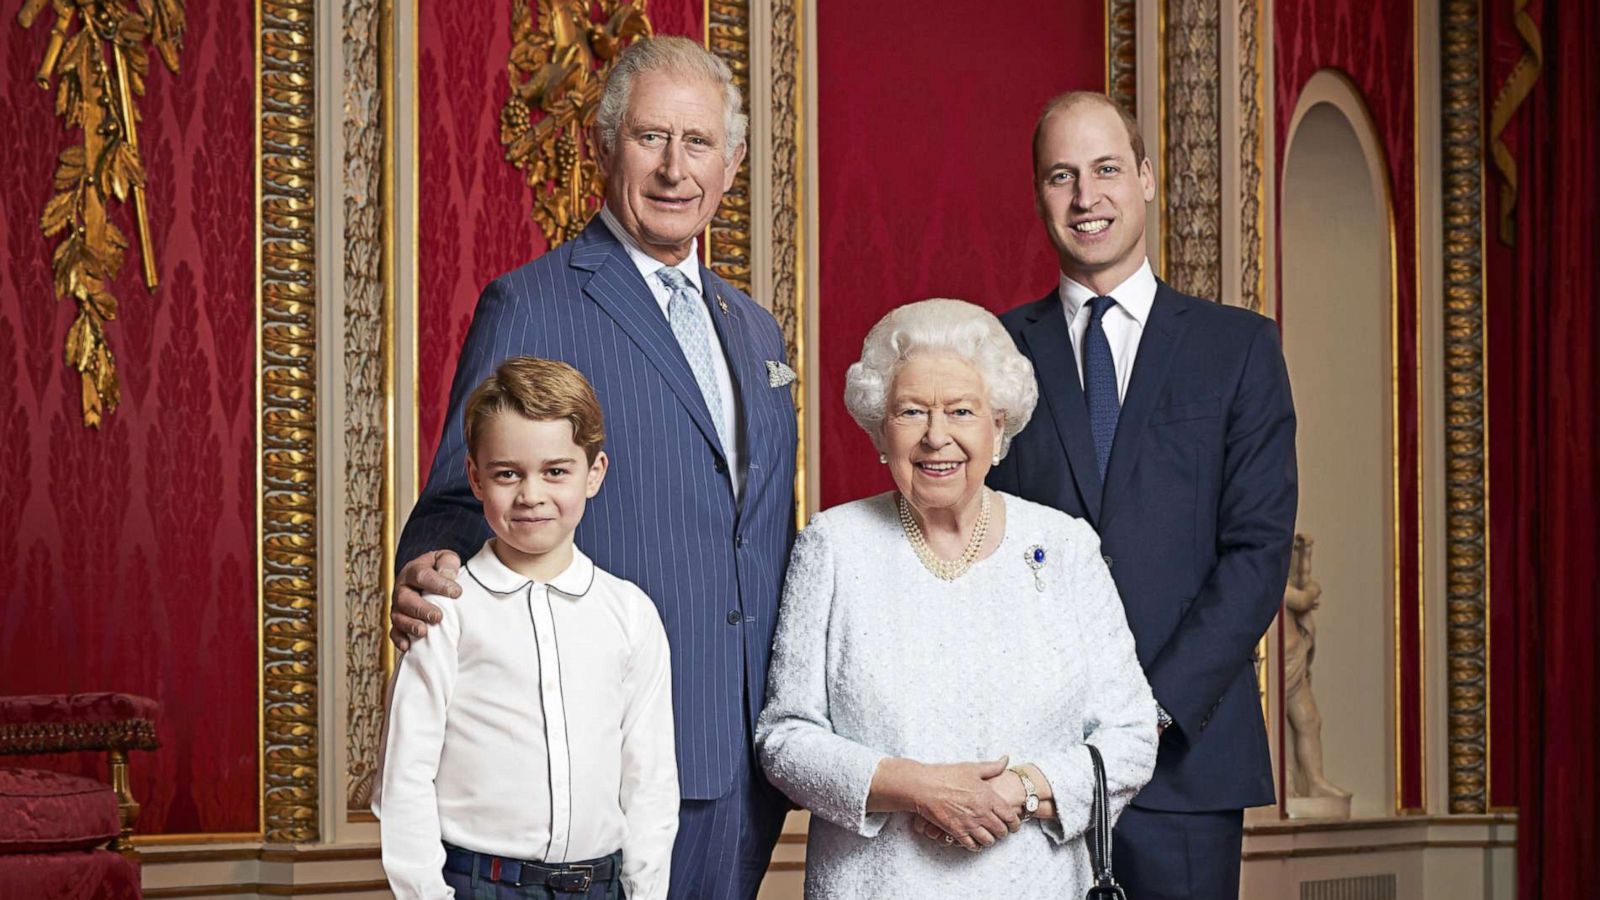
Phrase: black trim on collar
(593,570)
(467,567)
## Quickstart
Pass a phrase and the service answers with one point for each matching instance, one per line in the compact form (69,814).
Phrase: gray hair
(669,54)
(955,327)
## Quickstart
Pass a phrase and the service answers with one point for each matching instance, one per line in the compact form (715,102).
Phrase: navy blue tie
(1100,383)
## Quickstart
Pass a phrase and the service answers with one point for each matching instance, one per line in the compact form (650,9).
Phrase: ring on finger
(949,839)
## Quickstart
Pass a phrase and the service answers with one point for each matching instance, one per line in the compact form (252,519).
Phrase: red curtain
(1544,293)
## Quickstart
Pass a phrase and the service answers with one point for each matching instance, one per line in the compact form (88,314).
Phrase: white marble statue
(1301,599)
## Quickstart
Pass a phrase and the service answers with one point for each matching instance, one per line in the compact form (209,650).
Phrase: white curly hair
(941,326)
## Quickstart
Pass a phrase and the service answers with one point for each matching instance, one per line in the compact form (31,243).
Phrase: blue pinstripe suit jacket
(666,518)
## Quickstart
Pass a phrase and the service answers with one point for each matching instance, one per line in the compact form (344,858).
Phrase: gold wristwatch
(1030,804)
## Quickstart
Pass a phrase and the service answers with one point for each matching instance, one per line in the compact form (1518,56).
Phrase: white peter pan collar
(495,576)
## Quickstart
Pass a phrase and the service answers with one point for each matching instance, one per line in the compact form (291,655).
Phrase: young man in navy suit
(699,508)
(1167,423)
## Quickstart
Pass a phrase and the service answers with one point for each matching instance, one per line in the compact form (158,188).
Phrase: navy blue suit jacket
(1196,518)
(666,518)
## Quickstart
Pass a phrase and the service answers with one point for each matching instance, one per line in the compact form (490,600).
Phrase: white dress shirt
(1124,322)
(648,266)
(534,722)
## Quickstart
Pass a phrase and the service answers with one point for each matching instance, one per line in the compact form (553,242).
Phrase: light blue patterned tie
(689,327)
(1100,383)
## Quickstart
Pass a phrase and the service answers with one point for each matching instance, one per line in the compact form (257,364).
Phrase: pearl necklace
(947,570)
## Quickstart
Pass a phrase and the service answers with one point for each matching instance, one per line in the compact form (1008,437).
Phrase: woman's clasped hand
(958,801)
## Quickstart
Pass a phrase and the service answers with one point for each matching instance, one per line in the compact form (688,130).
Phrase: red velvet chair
(64,837)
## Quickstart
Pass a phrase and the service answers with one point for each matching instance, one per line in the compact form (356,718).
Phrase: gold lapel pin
(722,303)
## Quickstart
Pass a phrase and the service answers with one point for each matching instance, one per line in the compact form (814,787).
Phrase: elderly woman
(944,651)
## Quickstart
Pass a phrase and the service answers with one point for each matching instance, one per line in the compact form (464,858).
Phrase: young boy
(530,734)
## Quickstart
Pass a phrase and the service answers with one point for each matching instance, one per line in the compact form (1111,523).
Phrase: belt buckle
(574,880)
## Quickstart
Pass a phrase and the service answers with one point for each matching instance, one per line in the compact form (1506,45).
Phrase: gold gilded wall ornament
(559,60)
(728,238)
(1466,408)
(1192,109)
(288,406)
(97,56)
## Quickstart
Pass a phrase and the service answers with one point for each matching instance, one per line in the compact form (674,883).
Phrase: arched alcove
(1337,314)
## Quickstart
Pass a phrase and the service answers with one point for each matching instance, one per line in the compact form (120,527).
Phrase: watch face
(1031,804)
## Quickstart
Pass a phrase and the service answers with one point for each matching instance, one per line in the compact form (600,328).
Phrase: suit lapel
(749,373)
(1157,346)
(616,287)
(1050,346)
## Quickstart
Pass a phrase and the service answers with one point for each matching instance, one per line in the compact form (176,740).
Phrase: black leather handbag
(1098,837)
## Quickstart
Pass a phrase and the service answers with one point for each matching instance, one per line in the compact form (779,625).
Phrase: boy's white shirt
(533,722)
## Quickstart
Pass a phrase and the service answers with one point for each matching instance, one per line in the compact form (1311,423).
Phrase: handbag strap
(1098,836)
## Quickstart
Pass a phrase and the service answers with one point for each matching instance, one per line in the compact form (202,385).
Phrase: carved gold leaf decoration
(291,642)
(559,60)
(1465,406)
(97,57)
(728,236)
(1122,52)
(1194,150)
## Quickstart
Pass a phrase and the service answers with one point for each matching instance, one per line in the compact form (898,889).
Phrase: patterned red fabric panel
(47,811)
(79,875)
(41,709)
(924,122)
(134,545)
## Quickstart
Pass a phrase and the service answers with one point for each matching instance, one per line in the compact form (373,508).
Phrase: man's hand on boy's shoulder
(433,572)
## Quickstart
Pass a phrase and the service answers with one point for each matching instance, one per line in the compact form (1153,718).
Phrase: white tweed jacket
(1027,654)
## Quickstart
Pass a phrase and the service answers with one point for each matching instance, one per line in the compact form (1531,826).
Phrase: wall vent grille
(1360,887)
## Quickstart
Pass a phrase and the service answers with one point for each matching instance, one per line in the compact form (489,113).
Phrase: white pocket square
(778,374)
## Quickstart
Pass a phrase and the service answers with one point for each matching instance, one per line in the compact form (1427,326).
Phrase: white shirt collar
(487,569)
(1135,296)
(648,265)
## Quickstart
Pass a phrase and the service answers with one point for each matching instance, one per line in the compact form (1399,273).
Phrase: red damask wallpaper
(474,209)
(131,549)
(1373,43)
(924,116)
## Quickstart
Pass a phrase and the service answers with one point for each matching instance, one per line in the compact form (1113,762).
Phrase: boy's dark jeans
(479,887)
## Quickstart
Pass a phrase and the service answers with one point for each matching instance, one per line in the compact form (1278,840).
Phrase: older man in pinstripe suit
(698,509)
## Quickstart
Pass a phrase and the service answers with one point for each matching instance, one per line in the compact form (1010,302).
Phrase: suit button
(739,542)
(1108,561)
(735,617)
(720,465)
